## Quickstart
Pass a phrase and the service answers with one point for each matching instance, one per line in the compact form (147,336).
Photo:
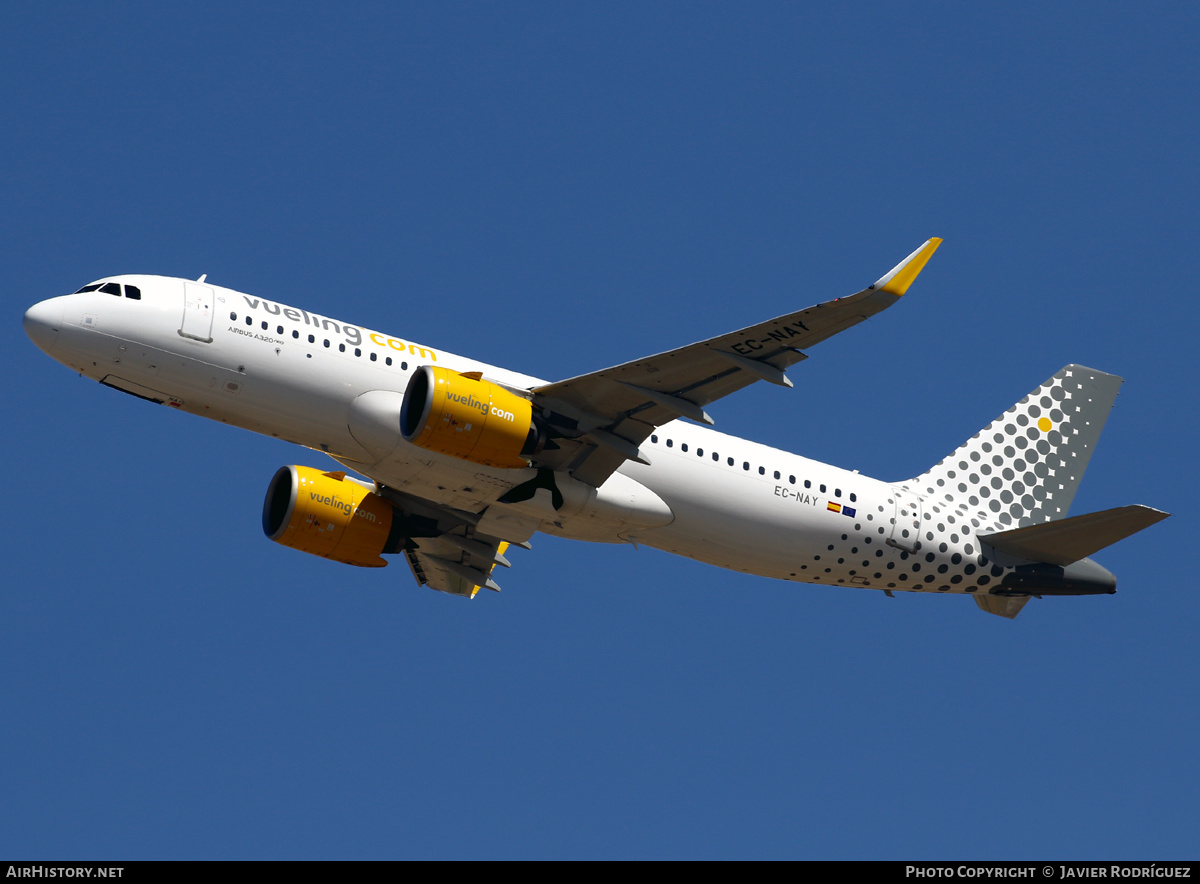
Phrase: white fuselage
(304,378)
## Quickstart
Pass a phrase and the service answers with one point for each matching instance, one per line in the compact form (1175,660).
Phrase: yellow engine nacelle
(329,515)
(464,416)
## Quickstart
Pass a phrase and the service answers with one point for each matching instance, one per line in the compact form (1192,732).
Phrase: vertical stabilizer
(1025,466)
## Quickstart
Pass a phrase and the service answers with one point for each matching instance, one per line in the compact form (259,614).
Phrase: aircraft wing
(603,417)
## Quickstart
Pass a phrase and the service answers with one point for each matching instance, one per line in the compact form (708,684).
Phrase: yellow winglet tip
(902,275)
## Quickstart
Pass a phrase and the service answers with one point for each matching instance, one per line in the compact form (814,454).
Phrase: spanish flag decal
(834,507)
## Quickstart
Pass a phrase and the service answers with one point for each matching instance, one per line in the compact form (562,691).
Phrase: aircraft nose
(42,322)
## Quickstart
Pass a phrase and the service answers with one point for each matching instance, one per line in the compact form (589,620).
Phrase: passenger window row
(312,339)
(762,471)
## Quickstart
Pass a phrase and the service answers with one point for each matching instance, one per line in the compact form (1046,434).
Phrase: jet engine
(464,416)
(330,515)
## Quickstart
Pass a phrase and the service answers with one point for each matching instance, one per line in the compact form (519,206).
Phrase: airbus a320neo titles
(464,459)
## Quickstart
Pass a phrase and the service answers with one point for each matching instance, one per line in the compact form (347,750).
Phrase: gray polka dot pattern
(1025,466)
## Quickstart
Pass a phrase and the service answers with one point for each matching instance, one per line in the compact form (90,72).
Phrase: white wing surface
(604,416)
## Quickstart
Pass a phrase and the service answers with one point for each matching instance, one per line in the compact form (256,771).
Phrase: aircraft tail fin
(1025,466)
(1065,541)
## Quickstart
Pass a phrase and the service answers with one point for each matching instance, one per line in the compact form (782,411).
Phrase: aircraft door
(906,523)
(197,312)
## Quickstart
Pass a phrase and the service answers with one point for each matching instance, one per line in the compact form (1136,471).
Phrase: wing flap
(457,564)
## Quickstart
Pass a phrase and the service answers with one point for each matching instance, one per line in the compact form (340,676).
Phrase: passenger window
(822,489)
(404,366)
(837,492)
(670,442)
(699,452)
(745,465)
(791,480)
(853,497)
(133,292)
(807,483)
(777,474)
(327,342)
(112,288)
(357,352)
(683,447)
(762,471)
(653,438)
(264,325)
(249,320)
(729,461)
(716,457)
(374,356)
(341,348)
(233,316)
(295,333)
(279,329)
(311,339)
(88,288)
(388,360)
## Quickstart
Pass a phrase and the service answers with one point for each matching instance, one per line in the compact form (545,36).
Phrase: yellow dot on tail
(1044,425)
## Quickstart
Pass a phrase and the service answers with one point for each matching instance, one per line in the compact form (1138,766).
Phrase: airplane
(463,460)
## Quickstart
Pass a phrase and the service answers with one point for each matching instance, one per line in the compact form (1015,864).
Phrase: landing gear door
(906,521)
(197,312)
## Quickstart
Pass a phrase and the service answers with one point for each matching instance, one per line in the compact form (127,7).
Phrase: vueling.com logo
(470,401)
(344,505)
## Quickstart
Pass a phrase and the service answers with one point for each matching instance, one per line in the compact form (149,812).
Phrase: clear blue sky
(557,188)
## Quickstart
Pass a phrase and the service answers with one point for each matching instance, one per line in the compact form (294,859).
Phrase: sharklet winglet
(900,277)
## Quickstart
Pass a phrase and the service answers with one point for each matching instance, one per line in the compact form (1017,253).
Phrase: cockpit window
(113,288)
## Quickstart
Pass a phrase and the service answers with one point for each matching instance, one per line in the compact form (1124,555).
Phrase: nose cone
(42,322)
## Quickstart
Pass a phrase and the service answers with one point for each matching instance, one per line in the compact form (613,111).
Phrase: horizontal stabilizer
(1064,541)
